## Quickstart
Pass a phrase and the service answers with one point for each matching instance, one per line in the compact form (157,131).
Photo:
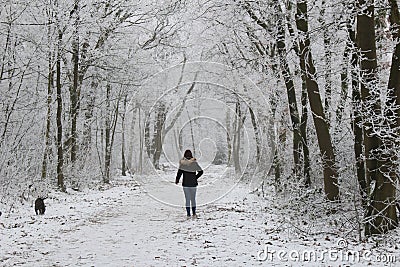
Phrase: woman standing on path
(191,171)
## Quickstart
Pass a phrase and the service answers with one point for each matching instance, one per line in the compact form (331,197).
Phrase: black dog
(40,208)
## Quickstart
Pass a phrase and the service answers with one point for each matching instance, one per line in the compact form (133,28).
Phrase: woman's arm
(178,176)
(199,173)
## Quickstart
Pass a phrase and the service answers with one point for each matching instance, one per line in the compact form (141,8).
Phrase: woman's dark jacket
(191,172)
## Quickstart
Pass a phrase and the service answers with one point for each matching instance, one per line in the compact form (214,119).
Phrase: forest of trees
(77,108)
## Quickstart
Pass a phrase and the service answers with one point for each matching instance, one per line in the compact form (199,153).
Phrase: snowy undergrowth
(308,220)
(125,225)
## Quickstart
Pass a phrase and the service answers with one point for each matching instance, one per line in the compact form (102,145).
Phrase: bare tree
(320,122)
(356,112)
(60,156)
(74,88)
(50,86)
(382,169)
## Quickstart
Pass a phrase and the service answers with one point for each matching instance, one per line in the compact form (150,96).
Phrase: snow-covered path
(124,226)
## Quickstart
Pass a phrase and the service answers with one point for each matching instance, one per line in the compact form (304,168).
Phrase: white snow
(125,225)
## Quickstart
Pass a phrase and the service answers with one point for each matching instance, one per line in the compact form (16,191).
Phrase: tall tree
(369,96)
(304,102)
(50,85)
(74,90)
(381,214)
(124,166)
(356,113)
(111,119)
(328,61)
(60,156)
(303,132)
(290,88)
(324,138)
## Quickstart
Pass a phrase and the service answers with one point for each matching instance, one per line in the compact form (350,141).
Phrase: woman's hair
(188,154)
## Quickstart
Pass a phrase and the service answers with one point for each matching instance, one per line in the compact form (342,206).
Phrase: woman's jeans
(190,196)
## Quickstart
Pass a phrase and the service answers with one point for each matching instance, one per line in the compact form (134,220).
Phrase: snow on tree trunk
(321,125)
(381,214)
(60,157)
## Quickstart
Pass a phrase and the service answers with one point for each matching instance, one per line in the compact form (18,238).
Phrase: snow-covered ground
(136,222)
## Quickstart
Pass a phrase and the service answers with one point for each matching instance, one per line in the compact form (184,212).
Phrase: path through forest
(125,226)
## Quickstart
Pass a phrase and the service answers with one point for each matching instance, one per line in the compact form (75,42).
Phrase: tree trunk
(60,159)
(123,160)
(141,141)
(256,134)
(394,78)
(344,82)
(303,132)
(74,95)
(177,142)
(147,141)
(321,126)
(87,125)
(131,137)
(110,126)
(328,63)
(291,93)
(158,135)
(370,100)
(382,215)
(228,136)
(277,140)
(236,138)
(50,84)
(107,130)
(357,115)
